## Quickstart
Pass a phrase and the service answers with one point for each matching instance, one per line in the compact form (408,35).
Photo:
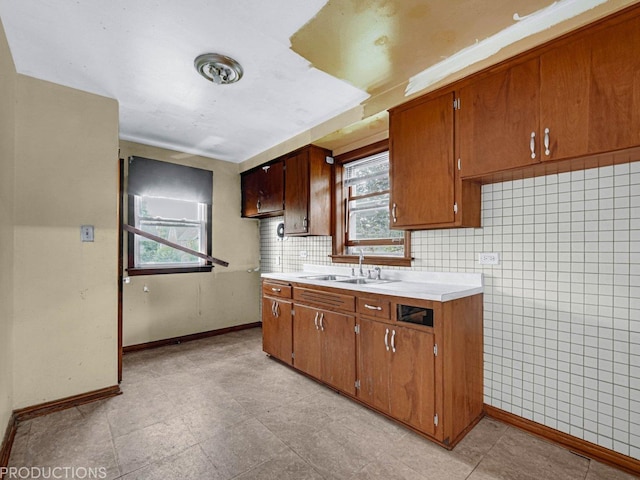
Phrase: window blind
(153,178)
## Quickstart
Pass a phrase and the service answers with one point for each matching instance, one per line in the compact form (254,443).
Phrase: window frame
(340,195)
(132,270)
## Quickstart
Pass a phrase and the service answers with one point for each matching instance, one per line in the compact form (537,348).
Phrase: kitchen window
(172,202)
(177,221)
(362,210)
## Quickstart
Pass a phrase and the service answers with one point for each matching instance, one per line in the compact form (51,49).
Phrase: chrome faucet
(360,260)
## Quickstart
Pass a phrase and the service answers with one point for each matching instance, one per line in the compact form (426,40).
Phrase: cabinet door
(497,116)
(412,376)
(307,346)
(250,183)
(263,190)
(373,363)
(564,100)
(277,330)
(338,351)
(296,212)
(422,164)
(614,96)
(271,193)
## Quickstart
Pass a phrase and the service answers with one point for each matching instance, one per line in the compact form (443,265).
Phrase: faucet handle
(378,272)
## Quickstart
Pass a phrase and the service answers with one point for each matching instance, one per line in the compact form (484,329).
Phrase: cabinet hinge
(435,419)
(455,207)
(456,104)
(358,384)
(357,329)
(293,312)
(435,349)
(293,355)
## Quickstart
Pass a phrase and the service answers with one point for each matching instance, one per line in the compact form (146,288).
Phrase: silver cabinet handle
(532,145)
(386,339)
(258,205)
(372,307)
(547,152)
(315,321)
(273,308)
(393,342)
(305,222)
(322,322)
(277,309)
(394,211)
(277,290)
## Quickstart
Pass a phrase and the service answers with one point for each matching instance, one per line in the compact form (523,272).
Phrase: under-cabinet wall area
(561,310)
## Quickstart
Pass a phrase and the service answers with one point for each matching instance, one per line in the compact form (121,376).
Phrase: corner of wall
(7,166)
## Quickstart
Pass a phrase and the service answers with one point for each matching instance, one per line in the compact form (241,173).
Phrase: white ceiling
(141,53)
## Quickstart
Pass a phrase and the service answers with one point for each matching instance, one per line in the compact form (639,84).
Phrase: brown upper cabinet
(426,191)
(590,93)
(263,190)
(307,196)
(498,119)
(576,97)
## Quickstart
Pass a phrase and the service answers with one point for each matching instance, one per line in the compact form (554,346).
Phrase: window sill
(371,260)
(132,272)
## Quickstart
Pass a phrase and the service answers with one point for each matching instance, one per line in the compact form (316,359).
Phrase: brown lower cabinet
(276,328)
(276,320)
(428,376)
(397,372)
(324,346)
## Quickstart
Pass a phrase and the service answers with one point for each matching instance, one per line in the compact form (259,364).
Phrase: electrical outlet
(489,259)
(303,254)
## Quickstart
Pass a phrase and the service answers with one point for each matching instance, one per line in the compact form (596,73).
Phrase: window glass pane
(369,219)
(368,175)
(177,221)
(154,253)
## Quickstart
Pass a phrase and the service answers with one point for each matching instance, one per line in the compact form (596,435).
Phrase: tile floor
(219,409)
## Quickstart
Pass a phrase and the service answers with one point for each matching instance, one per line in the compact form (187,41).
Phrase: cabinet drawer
(336,301)
(374,307)
(276,289)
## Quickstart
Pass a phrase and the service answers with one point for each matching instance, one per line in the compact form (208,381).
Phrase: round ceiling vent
(218,69)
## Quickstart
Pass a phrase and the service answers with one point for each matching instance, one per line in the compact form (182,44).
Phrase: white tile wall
(561,311)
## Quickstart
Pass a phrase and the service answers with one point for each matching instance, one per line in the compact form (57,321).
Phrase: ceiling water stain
(379,44)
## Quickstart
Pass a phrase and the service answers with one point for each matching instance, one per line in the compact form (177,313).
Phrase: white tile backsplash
(561,310)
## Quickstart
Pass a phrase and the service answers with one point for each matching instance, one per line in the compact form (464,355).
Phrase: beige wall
(65,291)
(183,304)
(7,160)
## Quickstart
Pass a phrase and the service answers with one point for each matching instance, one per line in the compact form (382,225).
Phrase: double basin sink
(348,279)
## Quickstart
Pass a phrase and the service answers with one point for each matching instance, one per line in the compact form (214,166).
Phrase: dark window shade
(153,178)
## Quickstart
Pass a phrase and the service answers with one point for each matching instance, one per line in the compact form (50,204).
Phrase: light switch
(86,233)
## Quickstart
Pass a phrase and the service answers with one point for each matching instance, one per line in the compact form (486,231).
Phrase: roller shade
(153,178)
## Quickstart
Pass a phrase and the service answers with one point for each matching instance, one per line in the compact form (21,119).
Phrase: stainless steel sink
(334,278)
(365,281)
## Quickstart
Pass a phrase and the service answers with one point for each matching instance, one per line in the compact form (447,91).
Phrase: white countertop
(436,286)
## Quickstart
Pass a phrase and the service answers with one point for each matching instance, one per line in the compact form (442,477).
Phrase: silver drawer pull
(372,307)
(547,152)
(277,290)
(532,145)
(393,342)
